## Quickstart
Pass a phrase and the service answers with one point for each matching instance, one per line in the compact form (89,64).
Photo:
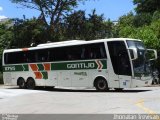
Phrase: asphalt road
(144,100)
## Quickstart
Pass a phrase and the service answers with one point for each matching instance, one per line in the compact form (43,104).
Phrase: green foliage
(156,16)
(155,26)
(127,31)
(78,26)
(28,31)
(147,6)
(126,20)
(142,19)
(6,35)
(75,25)
(96,27)
(1,78)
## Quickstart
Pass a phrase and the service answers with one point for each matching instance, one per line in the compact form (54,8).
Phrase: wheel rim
(101,84)
(21,83)
(30,84)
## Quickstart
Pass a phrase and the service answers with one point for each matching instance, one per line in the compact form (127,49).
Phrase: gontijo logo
(97,64)
(80,65)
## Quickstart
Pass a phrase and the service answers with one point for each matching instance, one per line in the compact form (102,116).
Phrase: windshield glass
(141,64)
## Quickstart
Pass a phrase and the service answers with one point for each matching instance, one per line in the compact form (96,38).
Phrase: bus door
(121,63)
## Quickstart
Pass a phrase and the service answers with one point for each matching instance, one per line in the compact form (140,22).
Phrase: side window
(68,53)
(51,54)
(42,55)
(77,52)
(14,58)
(6,58)
(29,56)
(57,54)
(93,51)
(73,52)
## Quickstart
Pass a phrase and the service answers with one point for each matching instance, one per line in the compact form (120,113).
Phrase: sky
(112,9)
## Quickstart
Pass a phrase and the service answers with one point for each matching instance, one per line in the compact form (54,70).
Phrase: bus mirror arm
(155,54)
(133,53)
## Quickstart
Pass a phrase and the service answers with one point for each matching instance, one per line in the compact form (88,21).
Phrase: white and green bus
(108,63)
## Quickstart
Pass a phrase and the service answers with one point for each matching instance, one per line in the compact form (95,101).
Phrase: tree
(142,19)
(75,25)
(6,35)
(155,26)
(156,16)
(52,11)
(108,29)
(146,6)
(96,26)
(78,26)
(27,31)
(126,20)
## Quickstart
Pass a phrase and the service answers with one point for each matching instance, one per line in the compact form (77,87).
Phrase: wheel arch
(31,78)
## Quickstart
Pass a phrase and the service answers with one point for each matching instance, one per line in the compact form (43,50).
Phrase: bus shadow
(88,90)
(50,89)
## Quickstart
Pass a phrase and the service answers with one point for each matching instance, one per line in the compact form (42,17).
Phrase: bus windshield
(141,64)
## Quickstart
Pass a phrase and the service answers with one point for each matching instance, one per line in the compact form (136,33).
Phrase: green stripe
(26,68)
(15,68)
(104,62)
(45,75)
(78,65)
(40,67)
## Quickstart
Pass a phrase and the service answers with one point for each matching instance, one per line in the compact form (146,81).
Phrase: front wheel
(101,85)
(30,83)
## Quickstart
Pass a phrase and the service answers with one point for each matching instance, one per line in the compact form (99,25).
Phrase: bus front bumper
(142,82)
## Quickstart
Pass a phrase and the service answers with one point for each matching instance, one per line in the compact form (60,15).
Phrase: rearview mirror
(151,54)
(133,53)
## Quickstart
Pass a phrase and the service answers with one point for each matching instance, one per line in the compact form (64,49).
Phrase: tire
(30,83)
(21,83)
(119,89)
(157,82)
(101,85)
(154,82)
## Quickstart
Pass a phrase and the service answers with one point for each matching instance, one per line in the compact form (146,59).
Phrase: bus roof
(67,43)
(61,43)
